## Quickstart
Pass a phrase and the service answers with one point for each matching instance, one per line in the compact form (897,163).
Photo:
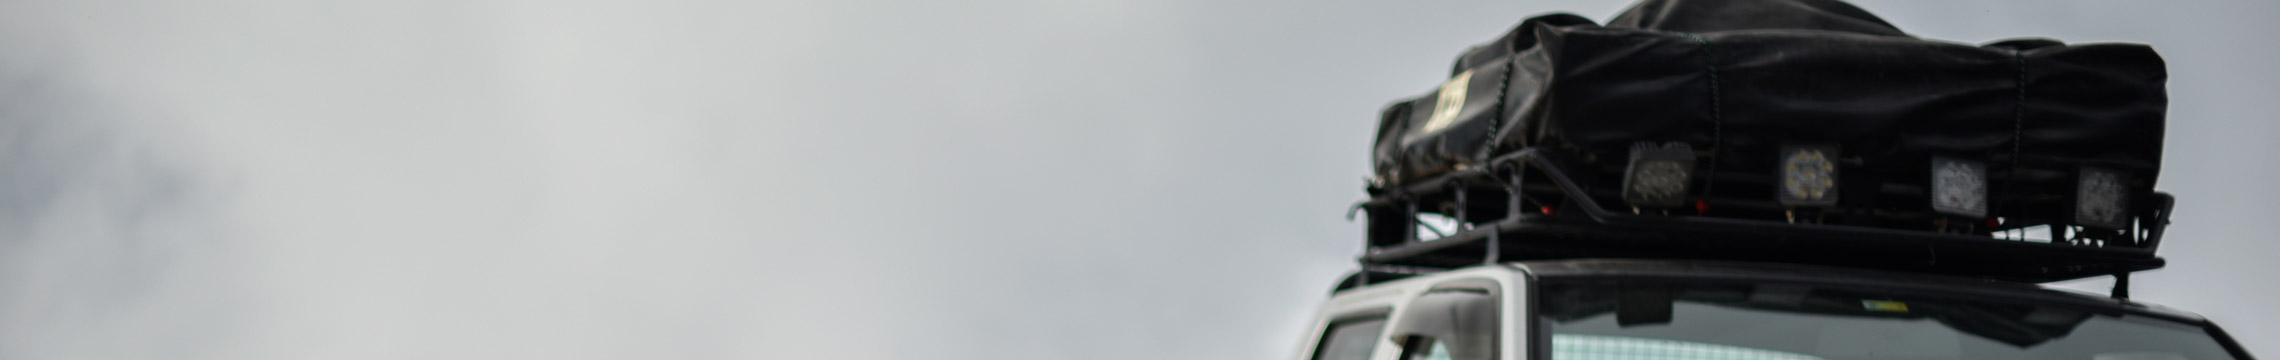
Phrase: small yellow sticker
(1451,102)
(1884,306)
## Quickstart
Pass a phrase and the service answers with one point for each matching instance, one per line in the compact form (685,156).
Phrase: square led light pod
(1808,175)
(1658,175)
(1959,187)
(2102,199)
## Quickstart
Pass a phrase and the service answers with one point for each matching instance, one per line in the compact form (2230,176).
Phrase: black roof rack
(1538,209)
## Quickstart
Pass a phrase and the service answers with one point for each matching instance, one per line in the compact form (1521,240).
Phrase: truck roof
(1798,273)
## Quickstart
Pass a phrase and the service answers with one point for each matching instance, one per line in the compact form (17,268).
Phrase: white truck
(1765,179)
(1618,309)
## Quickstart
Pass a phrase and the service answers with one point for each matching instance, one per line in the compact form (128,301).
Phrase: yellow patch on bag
(1451,103)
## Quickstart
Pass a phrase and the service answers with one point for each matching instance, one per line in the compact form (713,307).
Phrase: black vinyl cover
(1739,78)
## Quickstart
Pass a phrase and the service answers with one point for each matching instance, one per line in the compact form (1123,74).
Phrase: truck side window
(1424,348)
(1351,339)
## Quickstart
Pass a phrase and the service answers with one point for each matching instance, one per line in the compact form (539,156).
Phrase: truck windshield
(1679,320)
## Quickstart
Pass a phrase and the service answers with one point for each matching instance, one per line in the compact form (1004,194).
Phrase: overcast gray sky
(246,179)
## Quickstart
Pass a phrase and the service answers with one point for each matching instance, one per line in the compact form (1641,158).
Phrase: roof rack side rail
(1583,227)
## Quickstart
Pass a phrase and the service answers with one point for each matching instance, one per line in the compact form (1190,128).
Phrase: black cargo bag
(1739,79)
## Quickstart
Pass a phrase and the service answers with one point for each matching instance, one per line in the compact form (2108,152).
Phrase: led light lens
(1959,187)
(1808,175)
(2102,199)
(1658,175)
